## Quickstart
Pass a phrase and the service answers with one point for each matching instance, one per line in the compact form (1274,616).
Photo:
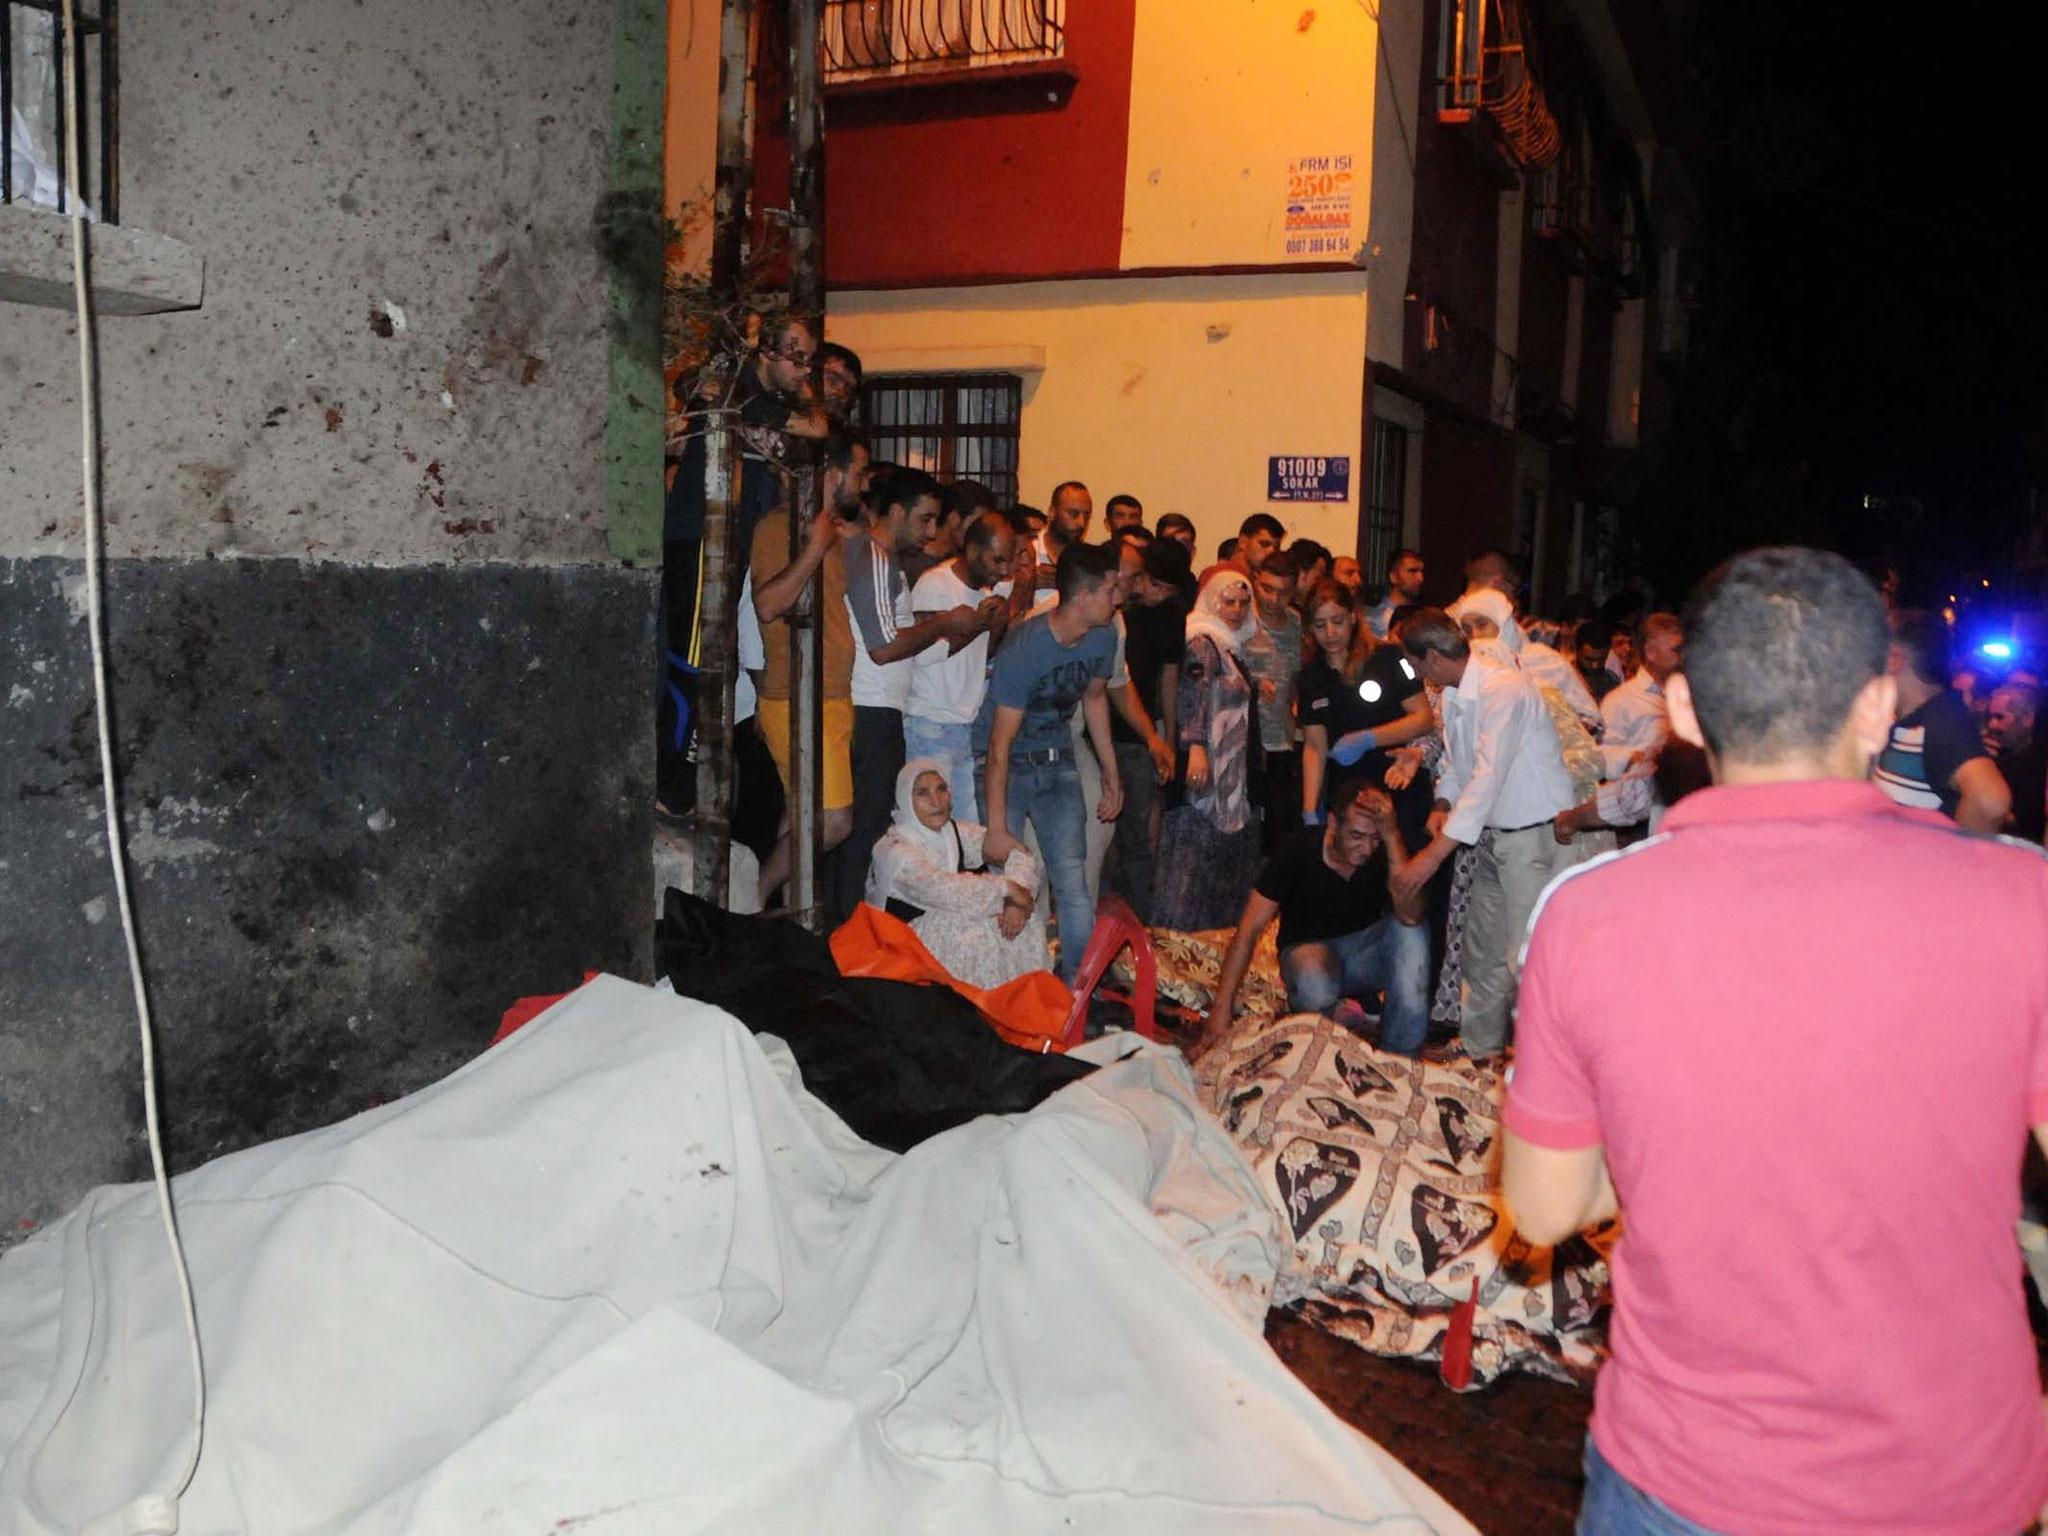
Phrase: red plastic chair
(1116,926)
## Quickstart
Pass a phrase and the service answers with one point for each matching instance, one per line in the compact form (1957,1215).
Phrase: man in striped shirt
(903,516)
(1935,759)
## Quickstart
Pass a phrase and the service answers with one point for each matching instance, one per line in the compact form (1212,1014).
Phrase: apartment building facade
(1360,266)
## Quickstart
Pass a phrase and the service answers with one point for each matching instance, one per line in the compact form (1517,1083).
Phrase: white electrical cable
(148,1513)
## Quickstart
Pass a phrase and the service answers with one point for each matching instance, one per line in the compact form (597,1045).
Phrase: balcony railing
(1484,69)
(871,39)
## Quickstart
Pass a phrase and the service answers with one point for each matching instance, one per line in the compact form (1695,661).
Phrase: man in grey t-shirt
(1047,666)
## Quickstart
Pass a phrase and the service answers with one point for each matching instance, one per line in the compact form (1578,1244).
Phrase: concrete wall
(381,691)
(1176,390)
(1251,134)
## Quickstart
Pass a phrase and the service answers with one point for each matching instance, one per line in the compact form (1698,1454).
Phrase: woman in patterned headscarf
(1209,843)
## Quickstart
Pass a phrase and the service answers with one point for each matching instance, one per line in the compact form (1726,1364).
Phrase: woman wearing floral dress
(1209,844)
(982,926)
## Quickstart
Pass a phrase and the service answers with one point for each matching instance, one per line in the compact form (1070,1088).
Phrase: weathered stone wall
(382,693)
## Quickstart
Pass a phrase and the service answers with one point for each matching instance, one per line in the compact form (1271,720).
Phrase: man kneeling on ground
(1345,928)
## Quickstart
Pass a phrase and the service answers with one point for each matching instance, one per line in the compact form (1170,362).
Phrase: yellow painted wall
(1175,389)
(690,145)
(1231,101)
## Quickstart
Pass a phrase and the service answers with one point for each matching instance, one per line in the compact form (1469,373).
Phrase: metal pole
(718,591)
(806,298)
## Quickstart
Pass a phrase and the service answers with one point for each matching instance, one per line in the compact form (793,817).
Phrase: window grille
(1389,496)
(868,38)
(954,425)
(34,111)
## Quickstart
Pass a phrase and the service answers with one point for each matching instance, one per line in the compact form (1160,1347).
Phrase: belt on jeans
(1041,755)
(1531,827)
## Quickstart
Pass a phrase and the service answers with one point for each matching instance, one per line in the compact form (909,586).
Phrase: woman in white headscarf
(1488,617)
(1209,843)
(983,926)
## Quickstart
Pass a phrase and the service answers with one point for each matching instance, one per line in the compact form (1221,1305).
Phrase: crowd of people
(1811,1127)
(1217,741)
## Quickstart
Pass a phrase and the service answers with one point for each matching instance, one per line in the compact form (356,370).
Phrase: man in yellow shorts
(779,583)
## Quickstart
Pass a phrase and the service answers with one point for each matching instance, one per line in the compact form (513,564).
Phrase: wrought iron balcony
(878,39)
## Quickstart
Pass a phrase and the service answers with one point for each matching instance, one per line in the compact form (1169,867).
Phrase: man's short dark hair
(1397,557)
(776,328)
(1924,637)
(1501,557)
(833,352)
(1020,518)
(1065,485)
(1137,534)
(1778,643)
(1168,561)
(1121,499)
(1431,629)
(1084,567)
(1595,632)
(981,529)
(1168,521)
(1226,549)
(1261,522)
(905,486)
(839,445)
(1306,553)
(964,498)
(1281,563)
(1356,793)
(1657,624)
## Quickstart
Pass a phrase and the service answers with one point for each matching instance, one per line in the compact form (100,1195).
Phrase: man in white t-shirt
(947,681)
(886,639)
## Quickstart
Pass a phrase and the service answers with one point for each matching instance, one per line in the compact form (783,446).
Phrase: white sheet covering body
(622,1274)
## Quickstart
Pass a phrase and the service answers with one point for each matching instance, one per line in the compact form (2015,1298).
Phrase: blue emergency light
(1997,650)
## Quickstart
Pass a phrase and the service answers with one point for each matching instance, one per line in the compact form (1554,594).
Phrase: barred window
(955,425)
(1389,496)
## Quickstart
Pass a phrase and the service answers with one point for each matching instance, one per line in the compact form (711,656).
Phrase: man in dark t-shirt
(1935,759)
(1344,931)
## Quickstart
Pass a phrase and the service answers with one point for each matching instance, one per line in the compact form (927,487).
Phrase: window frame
(949,431)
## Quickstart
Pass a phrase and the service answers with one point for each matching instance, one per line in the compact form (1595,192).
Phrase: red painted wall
(983,181)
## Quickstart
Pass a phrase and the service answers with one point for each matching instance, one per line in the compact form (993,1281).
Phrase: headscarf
(908,838)
(1207,619)
(1490,604)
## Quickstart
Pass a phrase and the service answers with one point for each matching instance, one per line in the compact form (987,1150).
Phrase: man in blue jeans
(1346,929)
(1048,665)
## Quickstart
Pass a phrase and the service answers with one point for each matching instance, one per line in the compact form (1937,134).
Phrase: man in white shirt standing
(1502,786)
(947,681)
(1636,718)
(1635,724)
(887,637)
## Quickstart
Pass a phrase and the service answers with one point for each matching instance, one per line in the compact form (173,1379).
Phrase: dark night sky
(1872,319)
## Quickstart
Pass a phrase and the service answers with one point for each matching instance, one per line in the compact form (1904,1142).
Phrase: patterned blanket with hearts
(1387,1172)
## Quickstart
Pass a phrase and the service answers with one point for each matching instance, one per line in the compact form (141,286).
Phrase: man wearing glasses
(769,401)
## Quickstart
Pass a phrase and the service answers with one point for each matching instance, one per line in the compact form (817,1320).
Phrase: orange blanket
(1030,1012)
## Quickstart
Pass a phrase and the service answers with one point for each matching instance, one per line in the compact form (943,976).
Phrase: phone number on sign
(1320,245)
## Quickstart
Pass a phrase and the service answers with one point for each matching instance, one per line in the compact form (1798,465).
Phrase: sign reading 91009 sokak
(1302,477)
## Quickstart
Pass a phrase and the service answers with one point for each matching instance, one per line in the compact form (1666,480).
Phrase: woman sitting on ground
(983,926)
(1209,844)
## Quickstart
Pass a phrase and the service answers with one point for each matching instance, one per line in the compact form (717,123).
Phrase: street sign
(1303,477)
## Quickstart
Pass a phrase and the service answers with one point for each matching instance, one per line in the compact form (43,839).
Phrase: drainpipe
(807,298)
(718,595)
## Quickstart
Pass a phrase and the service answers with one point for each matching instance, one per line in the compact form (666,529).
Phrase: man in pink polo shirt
(1808,1106)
